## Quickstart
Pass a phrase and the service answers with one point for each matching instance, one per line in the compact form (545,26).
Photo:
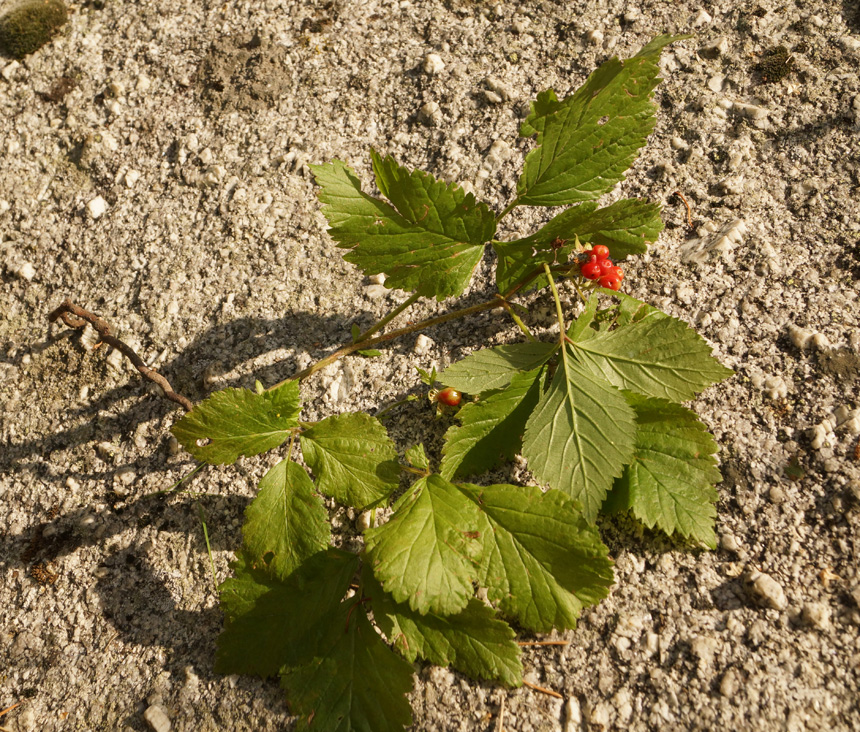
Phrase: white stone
(701,18)
(377,279)
(750,111)
(573,715)
(817,615)
(130,178)
(423,345)
(9,70)
(143,83)
(157,719)
(22,270)
(97,207)
(679,143)
(430,113)
(595,37)
(715,83)
(800,337)
(765,590)
(433,64)
(498,153)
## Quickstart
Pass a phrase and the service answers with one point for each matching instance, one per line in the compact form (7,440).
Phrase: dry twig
(77,318)
(689,213)
(542,690)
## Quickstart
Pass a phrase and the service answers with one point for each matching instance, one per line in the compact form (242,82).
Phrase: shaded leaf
(430,243)
(580,435)
(236,422)
(270,623)
(427,553)
(473,641)
(286,522)
(491,429)
(353,459)
(670,481)
(588,140)
(542,561)
(493,368)
(355,682)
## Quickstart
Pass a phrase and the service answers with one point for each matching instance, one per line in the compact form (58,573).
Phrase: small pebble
(430,114)
(595,37)
(765,590)
(97,207)
(130,178)
(701,18)
(157,719)
(423,345)
(433,64)
(816,615)
(730,683)
(729,542)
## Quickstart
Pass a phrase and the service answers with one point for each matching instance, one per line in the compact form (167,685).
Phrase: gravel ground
(153,168)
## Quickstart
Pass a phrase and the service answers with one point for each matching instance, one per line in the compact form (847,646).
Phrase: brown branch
(689,213)
(77,318)
(542,690)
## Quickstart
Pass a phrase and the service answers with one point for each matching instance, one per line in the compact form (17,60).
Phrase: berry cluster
(598,266)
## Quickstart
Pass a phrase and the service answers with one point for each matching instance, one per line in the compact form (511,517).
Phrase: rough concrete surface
(153,168)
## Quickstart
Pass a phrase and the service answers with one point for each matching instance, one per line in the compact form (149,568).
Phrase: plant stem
(388,318)
(557,304)
(498,301)
(507,209)
(516,318)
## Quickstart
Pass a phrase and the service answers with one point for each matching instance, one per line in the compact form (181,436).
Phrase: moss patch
(29,25)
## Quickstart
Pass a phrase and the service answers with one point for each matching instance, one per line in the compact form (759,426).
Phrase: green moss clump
(29,25)
(775,65)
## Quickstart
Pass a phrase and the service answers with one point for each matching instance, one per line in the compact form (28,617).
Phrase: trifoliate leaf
(355,684)
(491,429)
(236,422)
(626,227)
(286,523)
(270,623)
(670,481)
(430,243)
(353,459)
(657,355)
(587,141)
(427,553)
(542,562)
(473,641)
(580,435)
(493,368)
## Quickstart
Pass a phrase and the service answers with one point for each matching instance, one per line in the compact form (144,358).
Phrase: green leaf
(417,458)
(542,562)
(286,523)
(236,422)
(430,243)
(670,481)
(473,641)
(355,683)
(587,141)
(656,355)
(580,435)
(626,227)
(427,553)
(492,428)
(270,623)
(353,459)
(493,368)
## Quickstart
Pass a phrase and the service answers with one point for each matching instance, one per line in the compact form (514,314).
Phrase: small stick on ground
(689,212)
(77,318)
(542,690)
(500,720)
(544,643)
(9,709)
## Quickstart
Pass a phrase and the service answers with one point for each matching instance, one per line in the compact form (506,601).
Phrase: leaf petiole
(388,318)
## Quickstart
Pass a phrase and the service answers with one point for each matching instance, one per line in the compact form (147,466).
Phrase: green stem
(498,301)
(516,318)
(558,311)
(388,318)
(507,209)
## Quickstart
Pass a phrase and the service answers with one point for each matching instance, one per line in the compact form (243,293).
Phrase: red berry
(606,266)
(590,270)
(600,251)
(449,396)
(610,281)
(619,273)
